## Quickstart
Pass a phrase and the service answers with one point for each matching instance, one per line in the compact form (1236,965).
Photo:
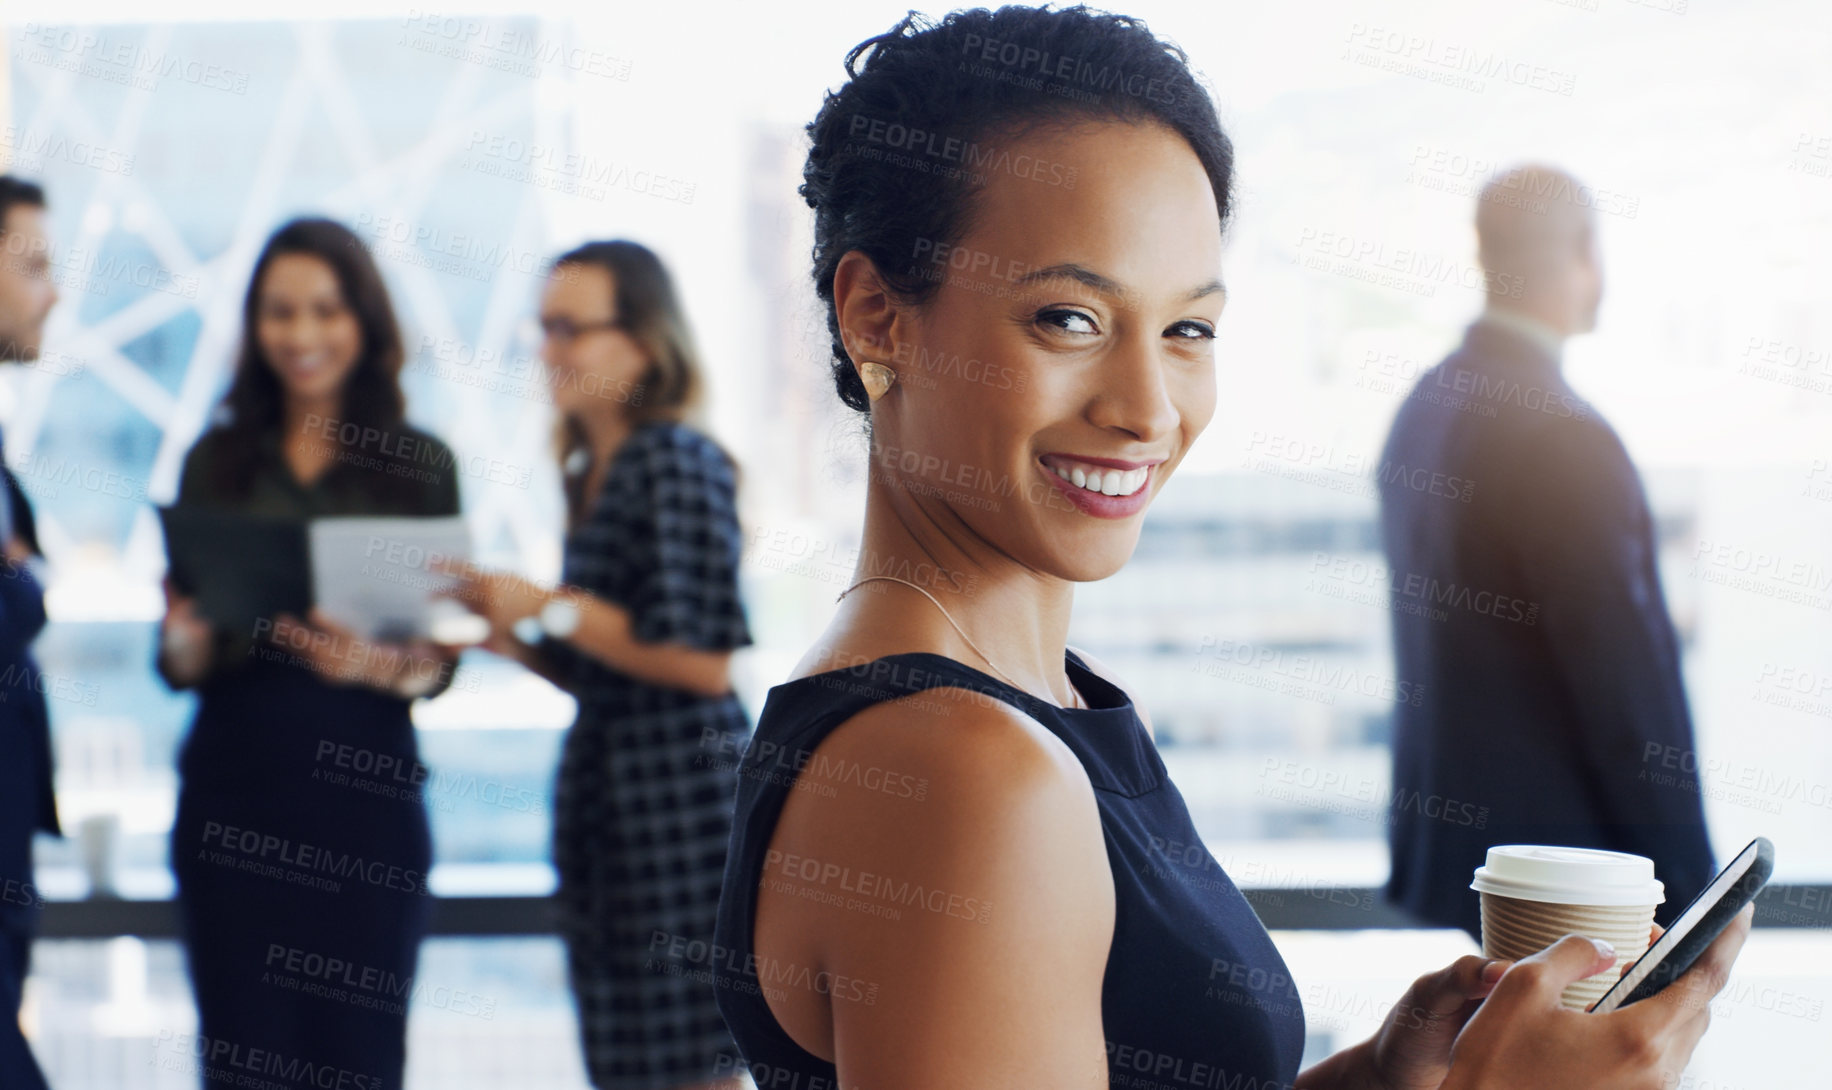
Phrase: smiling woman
(314,428)
(947,863)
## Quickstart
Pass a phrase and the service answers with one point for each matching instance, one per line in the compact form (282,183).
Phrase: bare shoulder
(1102,670)
(943,851)
(946,781)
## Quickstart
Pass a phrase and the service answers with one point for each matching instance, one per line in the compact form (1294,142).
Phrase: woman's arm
(993,980)
(682,618)
(532,656)
(191,648)
(605,631)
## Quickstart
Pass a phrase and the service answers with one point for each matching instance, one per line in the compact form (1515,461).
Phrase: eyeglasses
(565,330)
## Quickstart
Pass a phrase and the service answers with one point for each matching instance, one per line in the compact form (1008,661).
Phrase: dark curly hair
(948,85)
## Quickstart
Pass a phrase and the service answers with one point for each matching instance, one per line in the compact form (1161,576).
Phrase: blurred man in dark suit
(1526,606)
(26,801)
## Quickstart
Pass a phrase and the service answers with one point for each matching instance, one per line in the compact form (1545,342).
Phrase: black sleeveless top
(1195,994)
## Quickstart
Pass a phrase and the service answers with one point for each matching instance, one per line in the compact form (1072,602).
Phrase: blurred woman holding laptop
(301,839)
(641,631)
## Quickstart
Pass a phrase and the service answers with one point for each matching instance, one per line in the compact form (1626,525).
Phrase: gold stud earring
(876,377)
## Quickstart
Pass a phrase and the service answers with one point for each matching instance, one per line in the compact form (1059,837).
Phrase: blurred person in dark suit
(27,805)
(1527,610)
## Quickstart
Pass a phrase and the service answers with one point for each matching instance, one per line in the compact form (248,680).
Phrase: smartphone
(1702,921)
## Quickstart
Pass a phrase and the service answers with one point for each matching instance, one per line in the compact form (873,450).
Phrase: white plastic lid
(1569,876)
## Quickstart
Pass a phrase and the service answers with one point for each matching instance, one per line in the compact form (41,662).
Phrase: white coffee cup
(1535,894)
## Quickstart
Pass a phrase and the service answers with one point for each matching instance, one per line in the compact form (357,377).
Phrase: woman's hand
(499,597)
(502,599)
(17,551)
(186,639)
(1412,1049)
(341,656)
(1522,1038)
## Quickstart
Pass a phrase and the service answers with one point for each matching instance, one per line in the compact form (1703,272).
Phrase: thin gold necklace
(1074,694)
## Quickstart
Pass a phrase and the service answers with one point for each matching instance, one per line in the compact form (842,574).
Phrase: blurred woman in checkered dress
(640,631)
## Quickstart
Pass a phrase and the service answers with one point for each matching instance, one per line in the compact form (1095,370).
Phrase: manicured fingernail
(1604,949)
(1493,970)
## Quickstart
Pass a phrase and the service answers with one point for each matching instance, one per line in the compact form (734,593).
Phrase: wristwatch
(559,618)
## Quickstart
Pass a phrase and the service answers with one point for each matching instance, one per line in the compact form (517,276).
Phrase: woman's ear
(864,308)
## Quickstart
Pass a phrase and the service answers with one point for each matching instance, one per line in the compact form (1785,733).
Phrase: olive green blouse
(402,472)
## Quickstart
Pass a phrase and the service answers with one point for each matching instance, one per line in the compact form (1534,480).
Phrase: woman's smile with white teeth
(1103,479)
